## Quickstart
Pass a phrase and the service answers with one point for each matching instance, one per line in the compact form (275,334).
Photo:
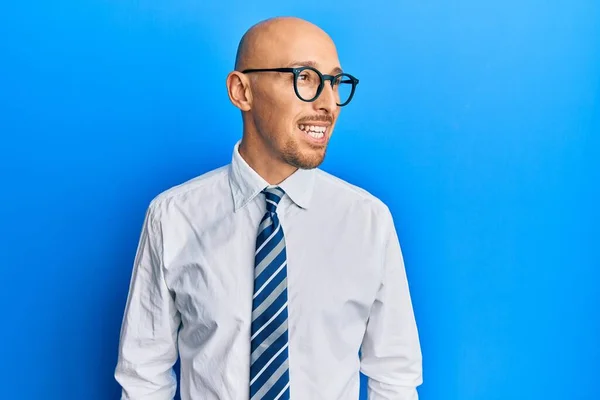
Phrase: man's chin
(307,161)
(304,155)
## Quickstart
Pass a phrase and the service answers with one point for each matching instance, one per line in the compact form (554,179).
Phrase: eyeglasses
(309,83)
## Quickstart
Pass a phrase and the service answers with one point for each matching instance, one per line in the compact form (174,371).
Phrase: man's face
(295,131)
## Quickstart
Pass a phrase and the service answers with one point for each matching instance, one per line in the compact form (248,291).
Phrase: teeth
(316,135)
(314,131)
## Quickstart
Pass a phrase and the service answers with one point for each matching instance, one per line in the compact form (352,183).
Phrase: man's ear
(238,89)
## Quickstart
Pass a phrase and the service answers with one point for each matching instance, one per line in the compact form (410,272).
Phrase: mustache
(317,118)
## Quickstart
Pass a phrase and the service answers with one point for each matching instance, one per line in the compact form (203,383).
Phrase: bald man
(268,277)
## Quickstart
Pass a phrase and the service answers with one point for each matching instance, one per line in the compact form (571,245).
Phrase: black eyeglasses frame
(324,77)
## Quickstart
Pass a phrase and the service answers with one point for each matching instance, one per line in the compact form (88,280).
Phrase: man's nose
(327,99)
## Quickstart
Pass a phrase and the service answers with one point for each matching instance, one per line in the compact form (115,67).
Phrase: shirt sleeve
(147,348)
(391,354)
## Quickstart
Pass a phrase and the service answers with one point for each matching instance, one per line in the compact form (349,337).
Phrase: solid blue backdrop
(477,122)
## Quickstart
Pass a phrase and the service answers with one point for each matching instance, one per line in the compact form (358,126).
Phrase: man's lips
(316,131)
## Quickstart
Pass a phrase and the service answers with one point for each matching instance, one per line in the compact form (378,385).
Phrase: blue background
(477,122)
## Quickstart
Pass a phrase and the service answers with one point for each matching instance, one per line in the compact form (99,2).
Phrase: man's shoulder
(350,191)
(196,187)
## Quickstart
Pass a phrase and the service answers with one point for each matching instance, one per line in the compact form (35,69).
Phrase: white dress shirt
(191,291)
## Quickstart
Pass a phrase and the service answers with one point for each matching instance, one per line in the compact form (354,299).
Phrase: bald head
(277,137)
(280,40)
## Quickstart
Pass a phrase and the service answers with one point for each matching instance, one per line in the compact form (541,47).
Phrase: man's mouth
(317,132)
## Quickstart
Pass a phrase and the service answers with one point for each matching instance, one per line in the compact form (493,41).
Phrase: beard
(293,154)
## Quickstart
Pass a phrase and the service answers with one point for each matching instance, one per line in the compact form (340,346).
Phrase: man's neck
(271,169)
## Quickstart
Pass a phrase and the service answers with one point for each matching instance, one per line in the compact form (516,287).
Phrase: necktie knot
(273,196)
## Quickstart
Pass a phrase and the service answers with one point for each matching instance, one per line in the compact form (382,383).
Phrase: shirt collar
(246,183)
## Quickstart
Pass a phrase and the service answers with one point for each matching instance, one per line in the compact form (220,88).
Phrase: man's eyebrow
(336,70)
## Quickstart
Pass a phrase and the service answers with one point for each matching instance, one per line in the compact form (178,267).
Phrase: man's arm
(147,348)
(391,353)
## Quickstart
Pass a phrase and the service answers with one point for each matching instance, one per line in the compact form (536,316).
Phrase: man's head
(280,128)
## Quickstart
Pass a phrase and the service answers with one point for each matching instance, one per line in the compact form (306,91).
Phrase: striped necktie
(269,374)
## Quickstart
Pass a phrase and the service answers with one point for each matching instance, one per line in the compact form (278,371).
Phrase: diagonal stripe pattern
(269,374)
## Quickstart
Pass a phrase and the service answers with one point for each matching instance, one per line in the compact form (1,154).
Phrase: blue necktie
(269,374)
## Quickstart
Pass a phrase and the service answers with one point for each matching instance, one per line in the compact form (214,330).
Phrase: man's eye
(304,77)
